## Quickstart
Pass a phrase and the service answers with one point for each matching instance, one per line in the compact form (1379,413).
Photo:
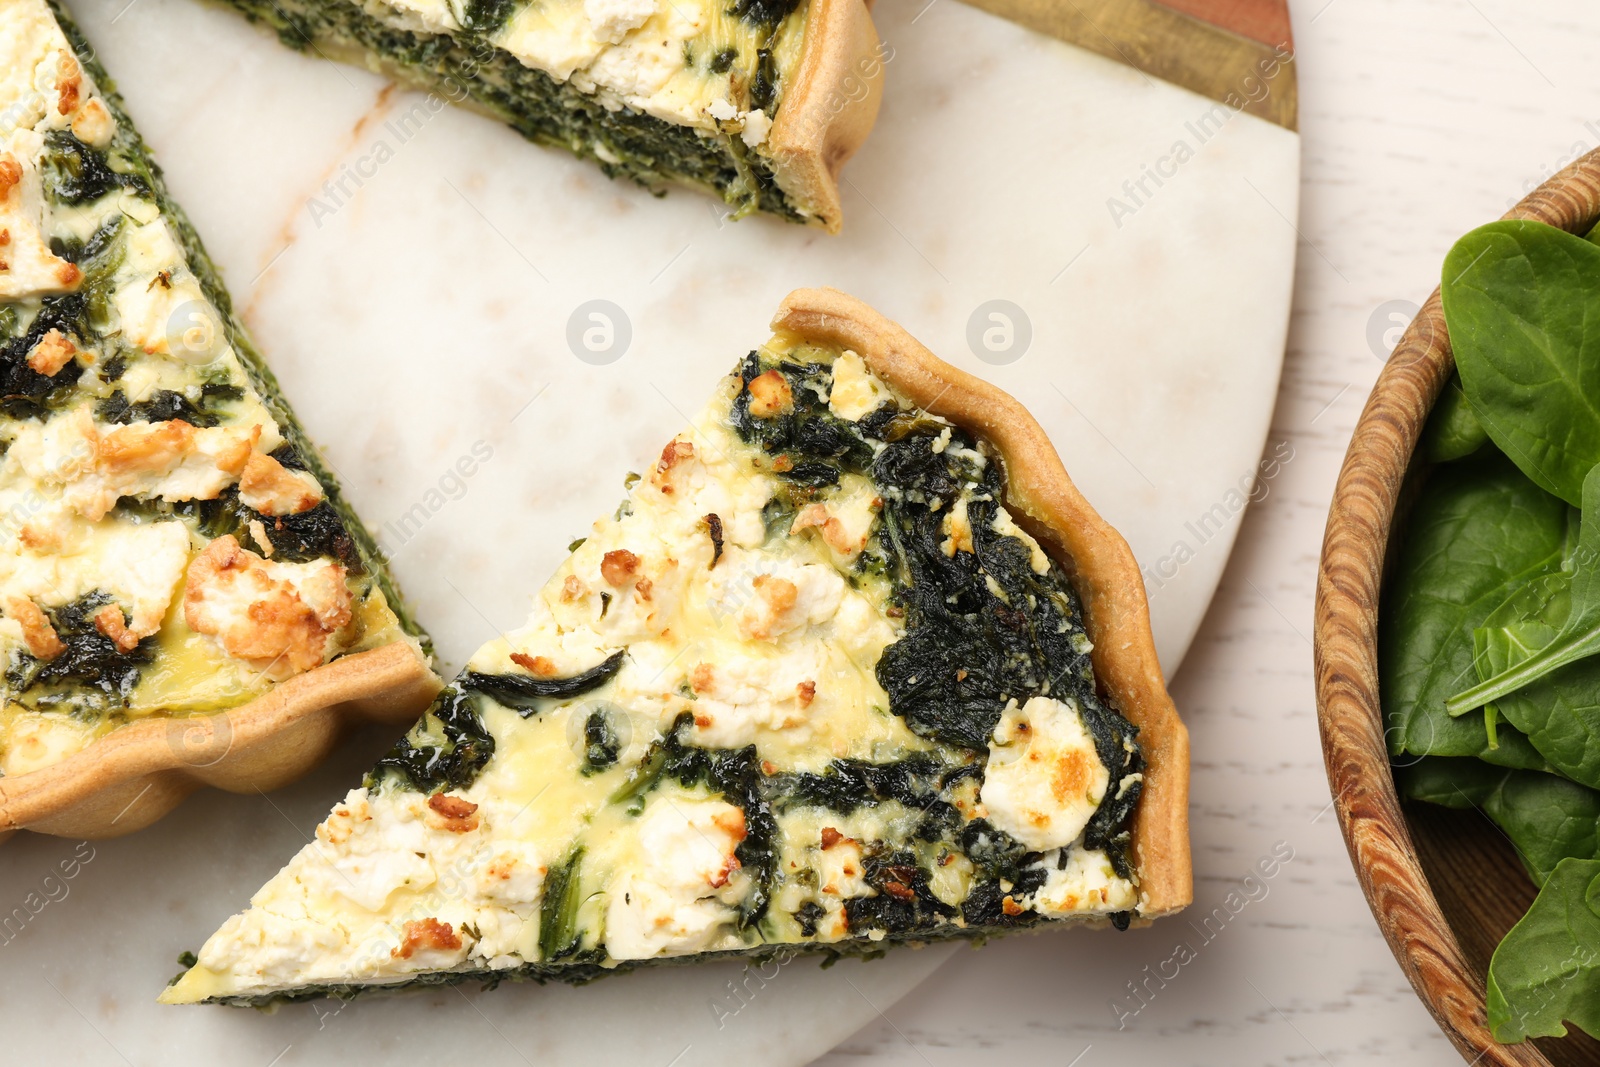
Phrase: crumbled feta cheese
(282,618)
(139,565)
(140,568)
(269,947)
(93,125)
(770,597)
(27,266)
(1085,883)
(612,20)
(844,522)
(272,489)
(365,852)
(510,873)
(738,696)
(856,391)
(89,466)
(1043,780)
(418,16)
(756,128)
(841,872)
(159,304)
(957,529)
(675,896)
(639,71)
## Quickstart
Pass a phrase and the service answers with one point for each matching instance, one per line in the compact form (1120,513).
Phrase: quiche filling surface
(657,91)
(169,544)
(811,685)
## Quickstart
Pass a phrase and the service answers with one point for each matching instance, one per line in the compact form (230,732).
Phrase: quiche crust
(136,774)
(830,108)
(1097,559)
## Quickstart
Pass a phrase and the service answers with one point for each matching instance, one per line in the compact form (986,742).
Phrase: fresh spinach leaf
(1579,636)
(1548,967)
(1522,302)
(1477,532)
(1546,817)
(1453,430)
(1559,713)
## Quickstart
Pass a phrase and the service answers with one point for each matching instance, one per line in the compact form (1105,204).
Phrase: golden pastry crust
(137,773)
(1097,560)
(829,107)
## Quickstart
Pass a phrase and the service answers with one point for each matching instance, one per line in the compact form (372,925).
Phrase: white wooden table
(1419,121)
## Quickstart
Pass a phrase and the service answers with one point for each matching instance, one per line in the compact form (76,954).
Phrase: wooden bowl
(1444,886)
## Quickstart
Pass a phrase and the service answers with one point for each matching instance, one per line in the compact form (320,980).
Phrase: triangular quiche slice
(853,664)
(760,102)
(184,595)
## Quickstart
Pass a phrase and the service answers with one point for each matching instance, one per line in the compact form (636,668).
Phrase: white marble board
(413,283)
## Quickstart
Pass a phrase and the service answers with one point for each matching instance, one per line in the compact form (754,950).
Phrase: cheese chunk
(1043,779)
(27,266)
(281,618)
(673,897)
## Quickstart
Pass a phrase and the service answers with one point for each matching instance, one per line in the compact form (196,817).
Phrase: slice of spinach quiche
(814,685)
(170,544)
(758,101)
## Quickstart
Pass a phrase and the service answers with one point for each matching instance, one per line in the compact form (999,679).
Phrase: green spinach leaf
(1522,302)
(1548,967)
(1559,713)
(1453,430)
(1478,531)
(1579,635)
(1546,817)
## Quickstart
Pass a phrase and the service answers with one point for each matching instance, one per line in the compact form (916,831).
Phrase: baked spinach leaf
(1579,634)
(1546,817)
(1548,967)
(1479,530)
(1522,303)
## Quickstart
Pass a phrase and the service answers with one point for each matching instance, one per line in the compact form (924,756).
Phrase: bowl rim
(1349,578)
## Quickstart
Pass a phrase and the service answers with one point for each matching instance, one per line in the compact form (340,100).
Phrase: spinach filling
(982,627)
(24,392)
(624,143)
(523,692)
(451,746)
(77,173)
(317,533)
(165,404)
(447,749)
(734,774)
(91,664)
(74,173)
